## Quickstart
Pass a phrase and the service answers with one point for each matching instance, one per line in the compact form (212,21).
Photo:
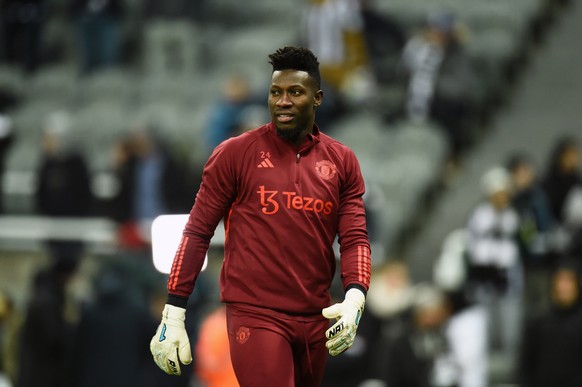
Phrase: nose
(284,100)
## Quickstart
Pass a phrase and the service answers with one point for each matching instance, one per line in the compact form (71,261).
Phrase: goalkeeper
(285,191)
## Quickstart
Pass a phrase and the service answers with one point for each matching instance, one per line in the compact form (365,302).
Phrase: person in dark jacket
(551,351)
(531,202)
(419,356)
(536,227)
(63,189)
(112,336)
(562,175)
(45,336)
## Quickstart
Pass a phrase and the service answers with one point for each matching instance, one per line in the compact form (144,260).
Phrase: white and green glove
(170,345)
(342,334)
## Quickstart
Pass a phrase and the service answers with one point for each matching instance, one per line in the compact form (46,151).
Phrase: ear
(318,98)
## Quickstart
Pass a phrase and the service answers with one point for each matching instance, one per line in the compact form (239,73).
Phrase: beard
(292,135)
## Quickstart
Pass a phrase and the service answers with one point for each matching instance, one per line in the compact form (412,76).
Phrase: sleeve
(217,192)
(353,236)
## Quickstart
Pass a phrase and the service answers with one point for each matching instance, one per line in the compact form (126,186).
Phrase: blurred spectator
(442,81)
(111,339)
(226,117)
(334,31)
(562,175)
(63,188)
(420,357)
(122,165)
(563,184)
(99,32)
(6,140)
(213,365)
(467,329)
(22,22)
(152,182)
(532,205)
(450,267)
(536,227)
(385,39)
(120,207)
(161,184)
(494,268)
(551,352)
(9,325)
(388,306)
(46,335)
(467,337)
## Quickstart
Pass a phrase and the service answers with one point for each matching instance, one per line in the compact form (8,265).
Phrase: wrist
(356,297)
(174,313)
(176,300)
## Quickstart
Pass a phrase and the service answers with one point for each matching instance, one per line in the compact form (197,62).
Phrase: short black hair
(516,160)
(296,58)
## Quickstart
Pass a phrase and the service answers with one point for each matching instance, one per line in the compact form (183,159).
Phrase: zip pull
(298,157)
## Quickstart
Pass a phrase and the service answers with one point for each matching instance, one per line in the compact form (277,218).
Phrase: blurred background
(465,117)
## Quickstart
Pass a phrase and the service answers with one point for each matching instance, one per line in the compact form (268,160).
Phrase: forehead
(288,78)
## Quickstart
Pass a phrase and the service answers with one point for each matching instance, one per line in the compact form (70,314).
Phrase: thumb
(333,311)
(185,353)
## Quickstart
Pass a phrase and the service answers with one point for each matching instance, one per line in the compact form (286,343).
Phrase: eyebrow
(299,85)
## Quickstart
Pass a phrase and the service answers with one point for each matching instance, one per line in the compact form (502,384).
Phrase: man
(495,277)
(285,191)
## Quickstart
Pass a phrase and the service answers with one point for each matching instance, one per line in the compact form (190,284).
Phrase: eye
(275,92)
(295,92)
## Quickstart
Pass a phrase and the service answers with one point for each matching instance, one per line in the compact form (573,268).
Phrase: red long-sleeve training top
(282,207)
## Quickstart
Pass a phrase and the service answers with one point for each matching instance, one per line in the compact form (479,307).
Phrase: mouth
(284,117)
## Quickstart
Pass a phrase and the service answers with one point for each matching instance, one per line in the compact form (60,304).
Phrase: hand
(170,345)
(342,334)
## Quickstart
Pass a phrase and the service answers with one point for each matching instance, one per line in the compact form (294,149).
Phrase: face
(500,199)
(293,98)
(523,176)
(570,159)
(433,317)
(565,288)
(50,144)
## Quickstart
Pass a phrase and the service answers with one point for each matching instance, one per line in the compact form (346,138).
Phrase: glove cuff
(356,297)
(174,314)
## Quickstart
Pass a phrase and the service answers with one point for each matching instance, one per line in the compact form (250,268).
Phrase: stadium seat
(114,84)
(171,47)
(56,83)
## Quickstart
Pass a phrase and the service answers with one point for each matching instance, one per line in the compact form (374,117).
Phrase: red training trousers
(270,348)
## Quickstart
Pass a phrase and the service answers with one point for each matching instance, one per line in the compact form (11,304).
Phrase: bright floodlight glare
(166,235)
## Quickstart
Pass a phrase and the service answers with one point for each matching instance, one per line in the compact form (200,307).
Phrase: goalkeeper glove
(170,345)
(342,334)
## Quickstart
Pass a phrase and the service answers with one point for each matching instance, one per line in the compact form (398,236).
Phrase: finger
(347,335)
(337,340)
(185,353)
(172,363)
(160,359)
(339,346)
(335,329)
(340,349)
(333,311)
